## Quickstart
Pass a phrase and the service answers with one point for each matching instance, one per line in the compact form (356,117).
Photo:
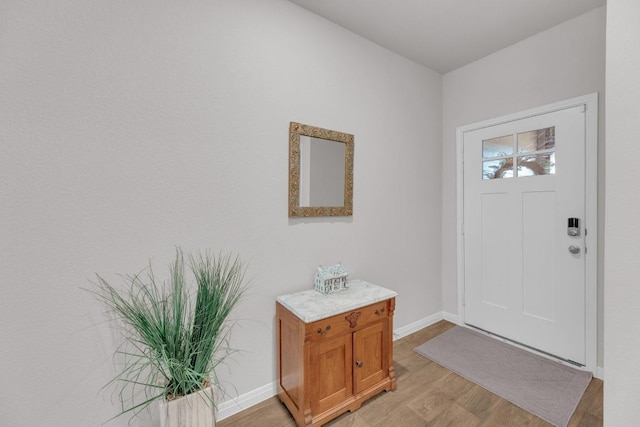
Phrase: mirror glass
(320,172)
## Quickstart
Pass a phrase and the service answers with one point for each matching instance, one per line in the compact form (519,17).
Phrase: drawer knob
(359,363)
(379,312)
(324,332)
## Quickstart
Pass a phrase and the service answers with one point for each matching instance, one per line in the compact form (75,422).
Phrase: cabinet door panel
(370,356)
(331,372)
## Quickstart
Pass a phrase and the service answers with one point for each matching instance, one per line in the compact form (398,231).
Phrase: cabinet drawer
(374,312)
(341,323)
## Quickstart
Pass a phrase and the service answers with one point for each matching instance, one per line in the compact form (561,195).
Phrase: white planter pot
(193,410)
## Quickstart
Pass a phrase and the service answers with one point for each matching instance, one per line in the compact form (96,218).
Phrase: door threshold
(527,347)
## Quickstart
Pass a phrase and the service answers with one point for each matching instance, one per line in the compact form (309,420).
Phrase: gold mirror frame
(295,210)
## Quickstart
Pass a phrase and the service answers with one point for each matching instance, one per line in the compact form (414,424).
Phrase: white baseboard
(599,373)
(417,325)
(453,318)
(247,400)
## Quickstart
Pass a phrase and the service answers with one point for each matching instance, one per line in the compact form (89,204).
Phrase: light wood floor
(427,395)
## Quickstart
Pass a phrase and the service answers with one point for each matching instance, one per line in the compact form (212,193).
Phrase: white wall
(622,268)
(562,62)
(130,127)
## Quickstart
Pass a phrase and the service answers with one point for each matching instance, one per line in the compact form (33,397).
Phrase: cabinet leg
(392,377)
(307,418)
(355,406)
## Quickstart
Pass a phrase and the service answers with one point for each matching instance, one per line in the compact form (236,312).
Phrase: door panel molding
(590,103)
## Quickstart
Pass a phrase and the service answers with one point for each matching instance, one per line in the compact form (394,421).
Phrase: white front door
(524,274)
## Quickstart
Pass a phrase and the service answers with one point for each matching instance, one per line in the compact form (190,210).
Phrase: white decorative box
(330,279)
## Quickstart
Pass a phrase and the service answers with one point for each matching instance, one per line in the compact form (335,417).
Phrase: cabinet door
(371,356)
(331,380)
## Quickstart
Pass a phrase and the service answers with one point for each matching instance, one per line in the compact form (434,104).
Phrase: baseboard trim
(247,400)
(599,373)
(453,318)
(417,325)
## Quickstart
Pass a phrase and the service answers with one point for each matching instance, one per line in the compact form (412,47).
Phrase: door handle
(359,363)
(574,249)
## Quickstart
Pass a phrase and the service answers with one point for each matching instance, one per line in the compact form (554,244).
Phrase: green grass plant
(174,336)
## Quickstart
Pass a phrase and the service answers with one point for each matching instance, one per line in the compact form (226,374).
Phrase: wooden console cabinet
(334,351)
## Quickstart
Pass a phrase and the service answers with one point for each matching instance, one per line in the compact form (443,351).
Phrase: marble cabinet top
(312,305)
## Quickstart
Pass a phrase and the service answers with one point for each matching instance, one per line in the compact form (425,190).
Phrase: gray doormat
(541,386)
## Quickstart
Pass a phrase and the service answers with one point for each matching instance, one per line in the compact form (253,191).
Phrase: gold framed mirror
(320,172)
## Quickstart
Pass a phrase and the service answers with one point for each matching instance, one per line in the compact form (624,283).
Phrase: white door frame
(590,101)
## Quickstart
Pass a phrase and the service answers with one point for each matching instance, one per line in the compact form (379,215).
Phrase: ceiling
(447,34)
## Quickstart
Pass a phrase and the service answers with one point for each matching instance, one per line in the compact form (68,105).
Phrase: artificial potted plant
(174,336)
